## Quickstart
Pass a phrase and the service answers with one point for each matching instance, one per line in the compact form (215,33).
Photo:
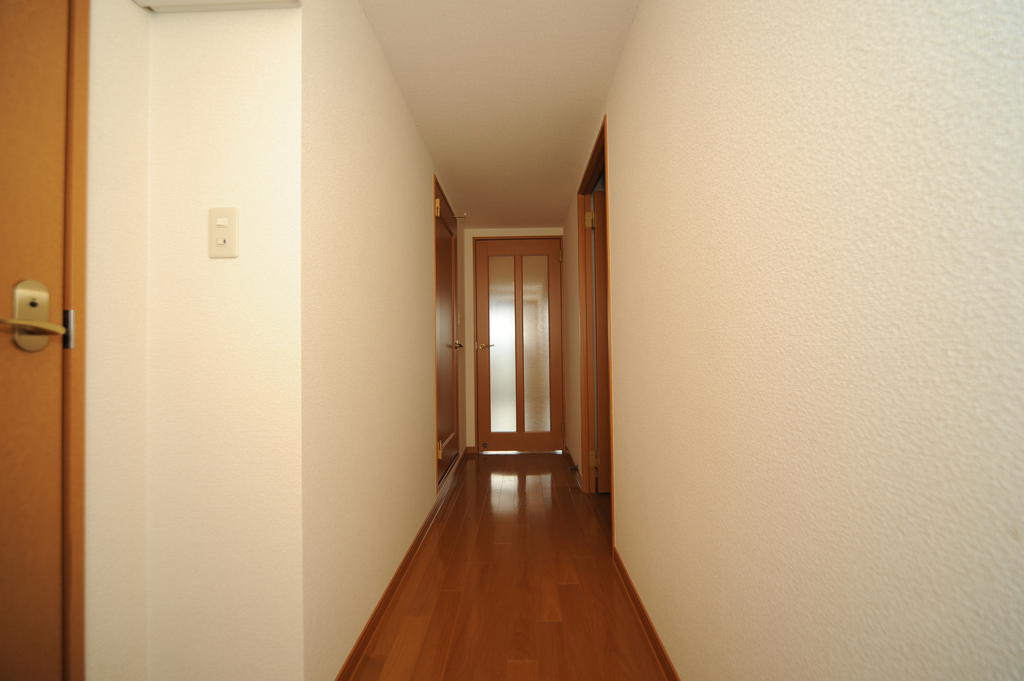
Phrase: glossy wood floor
(515,581)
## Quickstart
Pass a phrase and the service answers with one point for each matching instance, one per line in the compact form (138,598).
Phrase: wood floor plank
(521,670)
(554,663)
(433,653)
(514,580)
(550,610)
(401,660)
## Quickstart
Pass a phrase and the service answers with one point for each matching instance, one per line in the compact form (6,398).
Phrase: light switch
(223,236)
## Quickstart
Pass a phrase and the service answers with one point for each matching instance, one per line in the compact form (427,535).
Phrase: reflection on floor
(514,580)
(492,452)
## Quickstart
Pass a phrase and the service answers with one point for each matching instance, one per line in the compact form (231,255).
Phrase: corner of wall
(367,288)
(116,616)
(571,333)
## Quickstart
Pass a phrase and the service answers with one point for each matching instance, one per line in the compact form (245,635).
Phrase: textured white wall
(467,306)
(224,532)
(116,417)
(367,328)
(817,271)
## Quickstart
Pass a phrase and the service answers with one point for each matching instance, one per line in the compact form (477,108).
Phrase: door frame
(557,405)
(73,455)
(467,313)
(597,165)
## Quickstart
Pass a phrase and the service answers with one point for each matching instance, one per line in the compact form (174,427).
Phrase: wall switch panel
(223,233)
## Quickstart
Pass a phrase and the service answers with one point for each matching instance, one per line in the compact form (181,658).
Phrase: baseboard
(645,621)
(471,451)
(576,469)
(451,469)
(348,669)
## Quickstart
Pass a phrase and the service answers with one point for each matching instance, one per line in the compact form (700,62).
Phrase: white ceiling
(507,95)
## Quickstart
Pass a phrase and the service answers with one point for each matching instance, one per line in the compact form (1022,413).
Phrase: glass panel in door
(536,345)
(502,320)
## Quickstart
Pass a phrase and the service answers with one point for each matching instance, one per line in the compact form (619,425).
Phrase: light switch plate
(223,232)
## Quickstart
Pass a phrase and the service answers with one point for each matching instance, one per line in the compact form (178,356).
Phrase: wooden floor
(514,580)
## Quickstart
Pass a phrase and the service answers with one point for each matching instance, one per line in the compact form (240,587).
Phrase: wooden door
(446,344)
(519,344)
(596,457)
(34,119)
(598,378)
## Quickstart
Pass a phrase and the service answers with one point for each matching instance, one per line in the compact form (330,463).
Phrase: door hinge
(437,208)
(588,219)
(69,324)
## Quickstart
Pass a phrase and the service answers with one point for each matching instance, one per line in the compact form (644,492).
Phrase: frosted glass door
(519,371)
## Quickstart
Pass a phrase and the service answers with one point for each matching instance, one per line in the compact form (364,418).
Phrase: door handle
(31,312)
(458,345)
(35,328)
(484,346)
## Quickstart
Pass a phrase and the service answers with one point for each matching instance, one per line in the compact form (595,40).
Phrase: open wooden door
(447,346)
(597,372)
(42,128)
(595,357)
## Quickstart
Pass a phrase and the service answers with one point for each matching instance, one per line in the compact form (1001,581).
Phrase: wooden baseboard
(576,464)
(348,669)
(451,469)
(470,451)
(645,621)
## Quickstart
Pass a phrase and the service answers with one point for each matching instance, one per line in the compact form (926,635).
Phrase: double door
(519,344)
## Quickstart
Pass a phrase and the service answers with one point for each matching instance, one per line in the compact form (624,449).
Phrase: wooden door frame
(438,212)
(557,406)
(73,455)
(597,166)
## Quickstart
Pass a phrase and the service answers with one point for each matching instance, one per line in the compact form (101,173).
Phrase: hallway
(810,243)
(514,580)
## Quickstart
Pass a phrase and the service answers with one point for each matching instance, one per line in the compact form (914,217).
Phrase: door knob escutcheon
(30,323)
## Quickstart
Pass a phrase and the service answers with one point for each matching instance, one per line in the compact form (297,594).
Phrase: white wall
(467,315)
(367,325)
(194,553)
(817,298)
(116,414)
(195,424)
(224,348)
